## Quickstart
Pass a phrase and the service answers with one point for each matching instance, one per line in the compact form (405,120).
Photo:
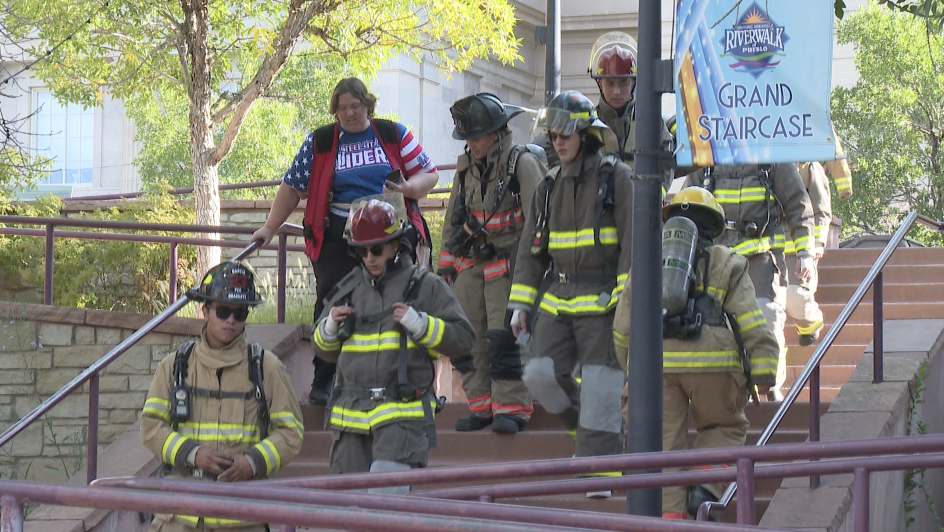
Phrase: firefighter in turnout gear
(383,325)
(801,293)
(495,180)
(839,171)
(717,343)
(760,203)
(613,67)
(208,387)
(569,275)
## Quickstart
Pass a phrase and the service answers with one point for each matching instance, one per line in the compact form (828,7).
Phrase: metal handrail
(867,455)
(91,374)
(812,366)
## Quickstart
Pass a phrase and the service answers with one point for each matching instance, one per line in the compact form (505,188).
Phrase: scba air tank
(678,256)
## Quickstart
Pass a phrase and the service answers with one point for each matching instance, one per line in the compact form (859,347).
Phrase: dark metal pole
(172,280)
(47,278)
(814,417)
(645,348)
(92,435)
(552,51)
(282,265)
(878,331)
(860,499)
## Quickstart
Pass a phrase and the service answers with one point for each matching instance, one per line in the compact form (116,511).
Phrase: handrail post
(860,499)
(283,243)
(47,277)
(92,460)
(172,280)
(12,520)
(878,332)
(745,483)
(814,417)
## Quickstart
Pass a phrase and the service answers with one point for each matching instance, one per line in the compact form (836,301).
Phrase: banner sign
(752,81)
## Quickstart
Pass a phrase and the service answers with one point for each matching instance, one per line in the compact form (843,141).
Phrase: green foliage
(892,122)
(18,171)
(931,11)
(125,276)
(915,479)
(275,127)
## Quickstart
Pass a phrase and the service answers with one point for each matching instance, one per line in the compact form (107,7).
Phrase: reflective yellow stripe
(375,343)
(435,328)
(323,344)
(752,246)
(621,340)
(287,419)
(822,231)
(346,418)
(522,293)
(843,183)
(171,445)
(588,304)
(751,320)
(602,474)
(811,329)
(582,238)
(701,359)
(217,522)
(763,366)
(270,454)
(157,408)
(735,196)
(220,432)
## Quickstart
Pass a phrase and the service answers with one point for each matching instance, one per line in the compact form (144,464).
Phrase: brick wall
(42,349)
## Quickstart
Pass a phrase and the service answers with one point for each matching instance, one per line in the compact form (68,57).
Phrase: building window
(63,132)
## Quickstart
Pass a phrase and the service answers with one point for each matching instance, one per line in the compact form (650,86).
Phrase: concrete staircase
(914,286)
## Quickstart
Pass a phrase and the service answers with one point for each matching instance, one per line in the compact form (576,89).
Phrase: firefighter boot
(323,382)
(472,423)
(809,339)
(698,495)
(507,425)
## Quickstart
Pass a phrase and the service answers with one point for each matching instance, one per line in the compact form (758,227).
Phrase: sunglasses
(554,136)
(223,313)
(375,250)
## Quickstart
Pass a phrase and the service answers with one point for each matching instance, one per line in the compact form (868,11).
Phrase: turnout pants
(717,401)
(768,273)
(491,375)
(801,298)
(403,441)
(557,344)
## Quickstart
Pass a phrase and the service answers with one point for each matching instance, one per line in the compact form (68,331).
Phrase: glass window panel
(43,124)
(74,127)
(55,177)
(86,176)
(86,149)
(74,109)
(57,124)
(57,151)
(88,123)
(42,145)
(42,102)
(73,153)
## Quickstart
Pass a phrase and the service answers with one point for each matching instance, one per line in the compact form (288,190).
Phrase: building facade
(95,148)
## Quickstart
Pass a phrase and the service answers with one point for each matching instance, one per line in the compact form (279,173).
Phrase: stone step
(867,256)
(891,292)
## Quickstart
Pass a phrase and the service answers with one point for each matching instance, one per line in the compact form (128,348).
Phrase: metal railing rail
(858,456)
(90,374)
(810,373)
(13,494)
(232,186)
(50,233)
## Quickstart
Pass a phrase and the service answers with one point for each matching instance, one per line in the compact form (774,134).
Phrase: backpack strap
(256,376)
(407,390)
(324,138)
(604,201)
(180,396)
(387,130)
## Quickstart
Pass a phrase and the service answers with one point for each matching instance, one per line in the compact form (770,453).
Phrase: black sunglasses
(223,313)
(375,250)
(554,136)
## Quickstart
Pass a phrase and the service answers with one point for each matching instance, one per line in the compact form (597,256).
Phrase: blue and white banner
(752,81)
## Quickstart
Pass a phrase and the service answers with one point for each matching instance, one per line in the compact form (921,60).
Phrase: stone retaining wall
(42,349)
